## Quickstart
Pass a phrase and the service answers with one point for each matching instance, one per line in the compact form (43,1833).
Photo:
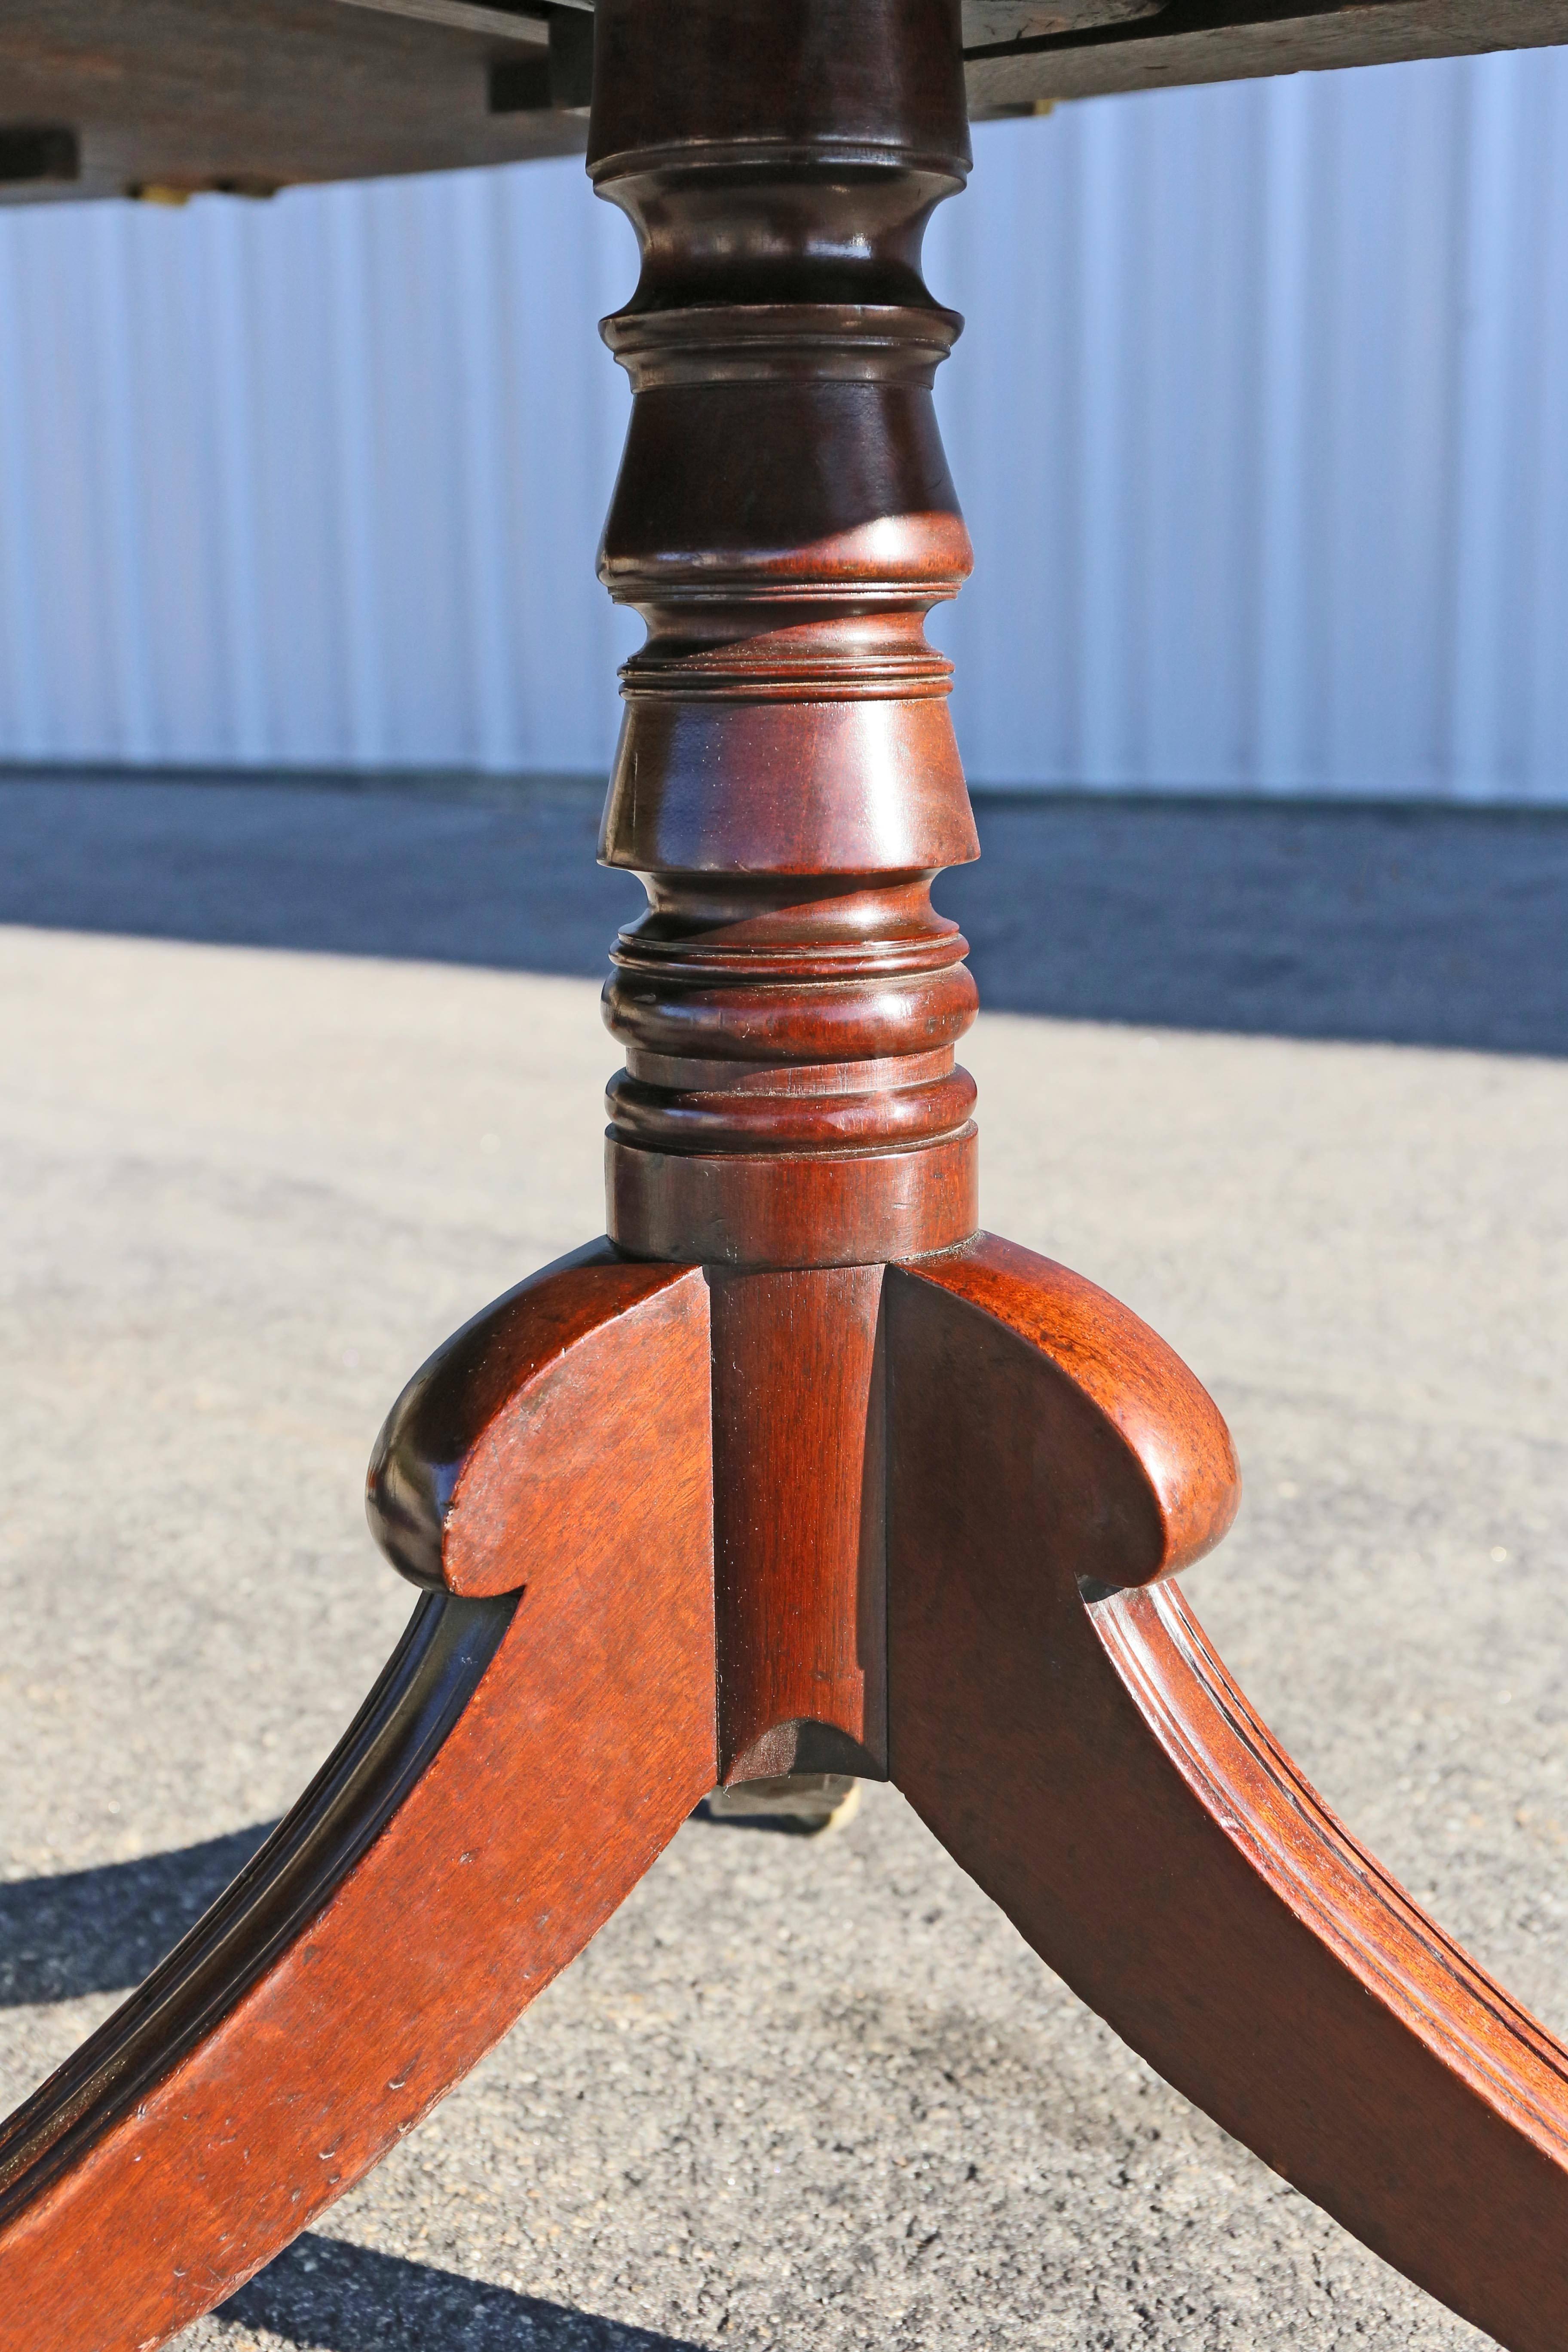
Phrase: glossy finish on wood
(520,1766)
(1113,1362)
(526,1420)
(1090,1764)
(428,1681)
(800,1559)
(794,1210)
(787,782)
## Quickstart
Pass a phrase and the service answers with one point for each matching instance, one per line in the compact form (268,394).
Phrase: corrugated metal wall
(1261,425)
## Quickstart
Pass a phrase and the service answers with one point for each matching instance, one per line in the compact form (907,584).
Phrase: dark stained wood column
(787,782)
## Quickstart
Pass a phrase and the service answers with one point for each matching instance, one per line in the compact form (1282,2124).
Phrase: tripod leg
(522,1761)
(1060,1722)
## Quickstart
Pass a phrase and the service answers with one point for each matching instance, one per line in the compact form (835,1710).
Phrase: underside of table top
(170,97)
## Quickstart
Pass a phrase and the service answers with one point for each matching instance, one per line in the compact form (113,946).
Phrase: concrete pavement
(292,1081)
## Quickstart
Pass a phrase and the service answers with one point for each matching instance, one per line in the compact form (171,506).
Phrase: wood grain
(800,1548)
(1089,1763)
(787,782)
(427,1682)
(1232,40)
(522,1424)
(988,22)
(522,1765)
(1178,1485)
(254,95)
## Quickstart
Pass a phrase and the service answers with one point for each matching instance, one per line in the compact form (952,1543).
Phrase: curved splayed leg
(539,1735)
(1060,1722)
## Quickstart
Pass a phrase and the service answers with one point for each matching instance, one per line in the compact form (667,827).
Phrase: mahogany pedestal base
(960,1584)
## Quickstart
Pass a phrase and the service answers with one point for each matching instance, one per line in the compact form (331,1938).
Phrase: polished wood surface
(795,1470)
(1060,1722)
(521,1765)
(1133,1382)
(800,1559)
(527,1421)
(790,1003)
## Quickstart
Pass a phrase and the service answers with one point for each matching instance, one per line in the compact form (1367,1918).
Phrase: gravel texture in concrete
(293,1080)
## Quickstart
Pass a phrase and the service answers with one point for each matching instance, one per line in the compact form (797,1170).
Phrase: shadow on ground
(1412,924)
(332,2297)
(101,1930)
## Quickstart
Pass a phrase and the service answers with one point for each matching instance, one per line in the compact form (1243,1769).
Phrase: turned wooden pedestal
(797,1470)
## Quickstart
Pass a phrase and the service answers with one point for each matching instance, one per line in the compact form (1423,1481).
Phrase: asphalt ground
(291,1080)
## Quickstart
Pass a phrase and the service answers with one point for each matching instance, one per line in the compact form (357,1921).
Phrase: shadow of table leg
(324,2295)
